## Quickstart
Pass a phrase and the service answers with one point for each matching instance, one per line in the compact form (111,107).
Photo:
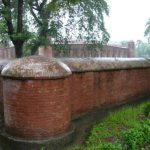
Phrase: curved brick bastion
(101,82)
(36,98)
(3,63)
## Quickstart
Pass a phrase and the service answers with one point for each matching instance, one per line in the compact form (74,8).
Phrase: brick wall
(104,82)
(80,51)
(3,63)
(7,53)
(41,96)
(93,90)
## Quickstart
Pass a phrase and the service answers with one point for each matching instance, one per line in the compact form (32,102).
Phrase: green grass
(106,134)
(116,122)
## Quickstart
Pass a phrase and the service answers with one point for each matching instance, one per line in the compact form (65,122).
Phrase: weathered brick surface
(80,51)
(36,108)
(104,88)
(3,63)
(1,95)
(117,86)
(82,92)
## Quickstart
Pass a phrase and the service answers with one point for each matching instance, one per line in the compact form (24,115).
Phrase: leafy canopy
(62,20)
(147,31)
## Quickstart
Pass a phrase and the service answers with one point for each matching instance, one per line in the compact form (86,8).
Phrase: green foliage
(22,36)
(147,30)
(142,49)
(15,23)
(4,38)
(147,110)
(61,20)
(118,121)
(100,146)
(137,138)
(126,129)
(26,52)
(84,20)
(105,146)
(76,148)
(43,148)
(63,48)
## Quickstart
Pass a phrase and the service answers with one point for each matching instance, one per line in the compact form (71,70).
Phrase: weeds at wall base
(126,129)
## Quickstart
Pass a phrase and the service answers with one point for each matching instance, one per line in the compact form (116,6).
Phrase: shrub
(147,110)
(105,146)
(137,138)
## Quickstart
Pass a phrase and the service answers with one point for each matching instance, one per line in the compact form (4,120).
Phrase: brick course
(36,108)
(80,50)
(3,63)
(92,90)
(1,95)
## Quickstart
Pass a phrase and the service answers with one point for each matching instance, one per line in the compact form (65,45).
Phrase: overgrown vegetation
(142,49)
(136,138)
(126,129)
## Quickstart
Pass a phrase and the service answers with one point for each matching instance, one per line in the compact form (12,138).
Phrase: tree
(147,31)
(60,19)
(84,20)
(4,38)
(13,12)
(142,49)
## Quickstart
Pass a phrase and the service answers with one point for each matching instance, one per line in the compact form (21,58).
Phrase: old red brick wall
(41,103)
(82,93)
(7,53)
(1,95)
(131,47)
(3,63)
(42,51)
(102,82)
(114,87)
(80,51)
(92,90)
(36,109)
(10,53)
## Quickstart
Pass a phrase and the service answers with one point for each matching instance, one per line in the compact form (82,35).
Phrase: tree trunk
(20,16)
(18,49)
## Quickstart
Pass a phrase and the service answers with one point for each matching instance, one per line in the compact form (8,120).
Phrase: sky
(127,19)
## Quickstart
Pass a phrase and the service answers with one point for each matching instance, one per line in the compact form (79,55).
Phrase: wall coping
(41,67)
(99,64)
(36,67)
(3,63)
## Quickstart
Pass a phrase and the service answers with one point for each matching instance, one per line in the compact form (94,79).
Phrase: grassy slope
(108,131)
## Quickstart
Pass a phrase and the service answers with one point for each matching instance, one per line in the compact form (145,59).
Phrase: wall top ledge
(3,63)
(98,64)
(36,67)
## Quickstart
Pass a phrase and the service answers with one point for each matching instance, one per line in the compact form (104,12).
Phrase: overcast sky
(127,19)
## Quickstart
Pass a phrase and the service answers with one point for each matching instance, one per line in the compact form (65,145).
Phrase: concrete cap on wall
(97,64)
(36,67)
(3,63)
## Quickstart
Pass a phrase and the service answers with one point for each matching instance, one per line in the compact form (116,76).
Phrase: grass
(107,133)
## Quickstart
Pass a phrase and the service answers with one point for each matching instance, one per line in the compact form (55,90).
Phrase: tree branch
(42,5)
(5,2)
(35,4)
(8,19)
(35,16)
